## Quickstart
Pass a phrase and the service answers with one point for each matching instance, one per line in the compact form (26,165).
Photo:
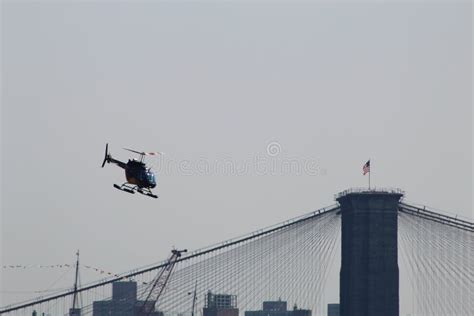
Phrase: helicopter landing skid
(125,187)
(131,189)
(147,192)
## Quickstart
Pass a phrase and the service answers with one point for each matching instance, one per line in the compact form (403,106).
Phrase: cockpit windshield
(150,177)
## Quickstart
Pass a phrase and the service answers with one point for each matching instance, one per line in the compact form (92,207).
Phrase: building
(369,260)
(74,312)
(278,308)
(220,305)
(123,303)
(299,311)
(333,310)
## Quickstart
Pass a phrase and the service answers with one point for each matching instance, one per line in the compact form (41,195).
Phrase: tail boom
(108,159)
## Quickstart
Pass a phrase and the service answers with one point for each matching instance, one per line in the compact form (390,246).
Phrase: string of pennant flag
(21,266)
(62,266)
(100,270)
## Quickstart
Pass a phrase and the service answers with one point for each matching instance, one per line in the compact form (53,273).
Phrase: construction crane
(157,286)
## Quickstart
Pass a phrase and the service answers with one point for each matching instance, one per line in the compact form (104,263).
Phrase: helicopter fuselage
(139,177)
(137,173)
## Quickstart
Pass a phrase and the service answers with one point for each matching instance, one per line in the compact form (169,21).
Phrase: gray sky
(330,84)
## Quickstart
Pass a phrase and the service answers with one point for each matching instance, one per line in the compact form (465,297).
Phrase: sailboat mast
(74,299)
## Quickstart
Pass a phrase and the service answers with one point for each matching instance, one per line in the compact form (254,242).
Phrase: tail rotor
(107,156)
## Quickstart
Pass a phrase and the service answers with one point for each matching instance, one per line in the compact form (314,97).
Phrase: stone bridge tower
(369,282)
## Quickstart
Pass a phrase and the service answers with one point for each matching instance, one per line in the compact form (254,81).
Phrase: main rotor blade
(154,153)
(144,153)
(134,151)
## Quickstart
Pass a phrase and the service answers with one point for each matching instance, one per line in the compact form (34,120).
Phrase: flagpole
(369,179)
(370,169)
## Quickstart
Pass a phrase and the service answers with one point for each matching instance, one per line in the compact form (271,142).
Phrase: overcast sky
(319,86)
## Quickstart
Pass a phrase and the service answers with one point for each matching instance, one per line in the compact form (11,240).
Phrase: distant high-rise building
(74,312)
(333,310)
(124,291)
(124,302)
(275,306)
(278,308)
(220,305)
(299,311)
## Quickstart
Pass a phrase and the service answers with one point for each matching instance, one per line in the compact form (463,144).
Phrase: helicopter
(139,177)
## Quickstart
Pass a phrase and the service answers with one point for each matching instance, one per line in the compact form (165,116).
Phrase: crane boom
(157,286)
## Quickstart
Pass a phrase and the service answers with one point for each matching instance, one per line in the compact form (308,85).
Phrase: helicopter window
(151,177)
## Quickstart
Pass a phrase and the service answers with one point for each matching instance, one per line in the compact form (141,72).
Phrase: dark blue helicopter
(140,178)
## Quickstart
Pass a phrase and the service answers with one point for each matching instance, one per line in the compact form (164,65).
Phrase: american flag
(366,167)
